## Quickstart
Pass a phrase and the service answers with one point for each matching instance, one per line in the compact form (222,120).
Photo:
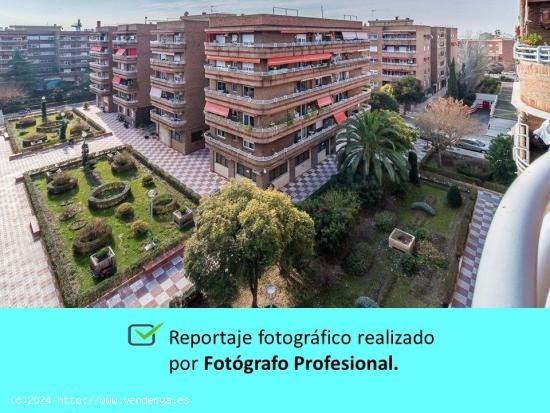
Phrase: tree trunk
(439,160)
(254,289)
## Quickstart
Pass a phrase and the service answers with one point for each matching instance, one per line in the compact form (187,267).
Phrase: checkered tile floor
(152,289)
(311,180)
(485,209)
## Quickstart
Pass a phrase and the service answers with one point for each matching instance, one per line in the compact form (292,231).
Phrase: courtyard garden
(33,132)
(103,222)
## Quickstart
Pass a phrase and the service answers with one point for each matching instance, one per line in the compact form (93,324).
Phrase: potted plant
(182,216)
(103,262)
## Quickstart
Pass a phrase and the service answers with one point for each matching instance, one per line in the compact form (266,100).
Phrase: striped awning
(216,109)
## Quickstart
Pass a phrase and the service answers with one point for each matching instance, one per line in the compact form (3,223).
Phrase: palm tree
(371,143)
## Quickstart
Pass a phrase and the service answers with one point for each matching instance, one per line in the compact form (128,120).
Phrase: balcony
(515,266)
(170,104)
(130,102)
(168,84)
(265,50)
(125,72)
(124,58)
(279,103)
(101,80)
(123,42)
(274,132)
(173,122)
(99,40)
(125,88)
(104,53)
(403,64)
(100,66)
(540,54)
(174,45)
(98,90)
(521,147)
(167,64)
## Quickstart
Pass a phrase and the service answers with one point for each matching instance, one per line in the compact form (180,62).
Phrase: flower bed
(49,127)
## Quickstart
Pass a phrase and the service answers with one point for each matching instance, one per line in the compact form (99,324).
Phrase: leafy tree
(333,212)
(501,160)
(10,92)
(413,168)
(407,91)
(20,72)
(383,101)
(388,89)
(444,123)
(372,143)
(240,232)
(453,90)
(488,85)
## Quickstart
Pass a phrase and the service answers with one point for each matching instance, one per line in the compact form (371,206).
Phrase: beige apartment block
(101,66)
(279,89)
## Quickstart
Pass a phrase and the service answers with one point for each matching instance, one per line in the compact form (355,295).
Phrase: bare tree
(473,62)
(10,92)
(444,123)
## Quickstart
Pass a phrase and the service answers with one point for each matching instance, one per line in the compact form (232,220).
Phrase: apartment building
(279,87)
(131,72)
(531,95)
(53,52)
(178,82)
(499,50)
(401,48)
(101,66)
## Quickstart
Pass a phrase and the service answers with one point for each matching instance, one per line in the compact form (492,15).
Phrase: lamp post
(151,194)
(271,290)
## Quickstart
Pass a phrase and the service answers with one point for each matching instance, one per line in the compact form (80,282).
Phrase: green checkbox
(142,334)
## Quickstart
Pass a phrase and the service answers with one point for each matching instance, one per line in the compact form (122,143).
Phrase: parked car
(474,145)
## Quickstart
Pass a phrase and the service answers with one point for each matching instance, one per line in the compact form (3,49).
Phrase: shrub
(365,302)
(370,191)
(359,260)
(147,180)
(501,160)
(454,197)
(139,228)
(333,213)
(86,106)
(385,220)
(25,123)
(420,234)
(164,204)
(94,236)
(428,254)
(125,211)
(472,170)
(122,162)
(408,264)
(383,101)
(531,39)
(413,170)
(61,179)
(102,254)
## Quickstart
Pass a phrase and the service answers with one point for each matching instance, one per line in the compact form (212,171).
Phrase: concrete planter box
(182,218)
(402,241)
(104,267)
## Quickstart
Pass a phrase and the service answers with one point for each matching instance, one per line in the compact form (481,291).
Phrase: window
(304,156)
(322,147)
(278,171)
(220,159)
(219,133)
(221,86)
(197,136)
(248,120)
(246,172)
(248,92)
(177,136)
(249,67)
(248,38)
(249,145)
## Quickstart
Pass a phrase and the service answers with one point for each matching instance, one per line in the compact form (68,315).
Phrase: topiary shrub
(164,204)
(365,302)
(408,264)
(428,254)
(385,220)
(139,228)
(413,168)
(125,211)
(147,180)
(61,182)
(454,197)
(94,236)
(122,162)
(359,260)
(420,233)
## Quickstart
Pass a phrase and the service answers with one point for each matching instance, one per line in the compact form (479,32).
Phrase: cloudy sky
(467,15)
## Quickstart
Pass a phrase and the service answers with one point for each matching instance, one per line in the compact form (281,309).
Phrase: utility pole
(322,12)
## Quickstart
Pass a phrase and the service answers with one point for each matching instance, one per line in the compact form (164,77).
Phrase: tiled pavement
(150,289)
(485,209)
(311,180)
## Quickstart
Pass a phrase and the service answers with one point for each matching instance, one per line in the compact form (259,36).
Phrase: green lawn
(127,248)
(18,135)
(385,282)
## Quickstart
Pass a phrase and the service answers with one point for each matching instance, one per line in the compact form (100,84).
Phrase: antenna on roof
(77,25)
(322,12)
(373,11)
(350,17)
(286,10)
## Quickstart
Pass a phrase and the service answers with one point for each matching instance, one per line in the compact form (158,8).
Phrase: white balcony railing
(521,146)
(540,54)
(515,266)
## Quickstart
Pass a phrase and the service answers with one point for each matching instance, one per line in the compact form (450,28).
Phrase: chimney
(98,24)
(186,14)
(396,17)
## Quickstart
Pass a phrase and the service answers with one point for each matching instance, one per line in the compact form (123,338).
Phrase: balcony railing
(167,82)
(125,101)
(100,90)
(290,44)
(168,44)
(399,51)
(515,266)
(99,66)
(173,103)
(540,54)
(124,58)
(280,99)
(521,146)
(167,119)
(125,41)
(167,63)
(285,71)
(125,72)
(124,87)
(99,53)
(99,79)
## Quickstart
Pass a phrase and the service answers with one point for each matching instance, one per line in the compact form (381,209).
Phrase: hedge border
(55,247)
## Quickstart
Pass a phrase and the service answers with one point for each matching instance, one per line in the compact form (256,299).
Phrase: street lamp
(151,194)
(271,290)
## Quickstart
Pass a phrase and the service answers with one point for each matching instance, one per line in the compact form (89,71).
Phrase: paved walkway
(311,180)
(485,208)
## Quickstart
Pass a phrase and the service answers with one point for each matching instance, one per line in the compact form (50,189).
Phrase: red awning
(324,101)
(340,117)
(132,52)
(234,59)
(95,49)
(120,52)
(216,109)
(277,61)
(116,80)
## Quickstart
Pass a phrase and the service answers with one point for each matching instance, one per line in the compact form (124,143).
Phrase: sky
(470,16)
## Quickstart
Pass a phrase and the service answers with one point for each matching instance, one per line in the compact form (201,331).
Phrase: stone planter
(402,241)
(182,218)
(164,204)
(121,191)
(59,189)
(102,268)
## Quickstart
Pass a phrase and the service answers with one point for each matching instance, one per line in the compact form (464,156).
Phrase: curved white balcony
(521,146)
(515,266)
(540,54)
(289,44)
